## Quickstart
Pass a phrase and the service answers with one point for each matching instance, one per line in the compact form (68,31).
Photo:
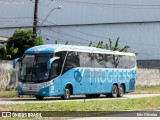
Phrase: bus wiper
(24,80)
(35,73)
(37,76)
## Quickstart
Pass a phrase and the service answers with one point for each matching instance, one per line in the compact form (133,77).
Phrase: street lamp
(59,7)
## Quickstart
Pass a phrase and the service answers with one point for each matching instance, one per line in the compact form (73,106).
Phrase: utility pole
(35,21)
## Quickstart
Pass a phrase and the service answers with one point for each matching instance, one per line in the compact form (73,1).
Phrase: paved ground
(74,98)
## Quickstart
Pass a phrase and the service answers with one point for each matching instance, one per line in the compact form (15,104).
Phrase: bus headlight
(46,84)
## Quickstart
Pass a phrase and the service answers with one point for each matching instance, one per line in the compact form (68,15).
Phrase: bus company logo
(39,49)
(77,76)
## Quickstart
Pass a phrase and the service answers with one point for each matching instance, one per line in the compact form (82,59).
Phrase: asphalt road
(74,98)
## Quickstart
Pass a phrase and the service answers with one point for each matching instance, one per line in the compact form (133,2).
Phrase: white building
(136,22)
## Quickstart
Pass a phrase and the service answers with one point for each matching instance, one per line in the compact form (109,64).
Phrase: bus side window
(85,59)
(124,62)
(98,61)
(55,71)
(72,61)
(132,62)
(62,56)
(108,61)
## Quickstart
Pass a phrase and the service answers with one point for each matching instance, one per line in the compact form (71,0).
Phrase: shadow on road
(48,98)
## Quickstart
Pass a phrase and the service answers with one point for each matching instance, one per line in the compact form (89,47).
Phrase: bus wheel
(108,95)
(39,97)
(114,93)
(121,91)
(67,93)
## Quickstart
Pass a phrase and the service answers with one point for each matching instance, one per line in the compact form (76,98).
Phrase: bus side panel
(55,88)
(101,81)
(73,78)
(130,80)
(96,81)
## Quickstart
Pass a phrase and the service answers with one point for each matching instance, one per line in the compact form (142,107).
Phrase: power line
(61,39)
(47,4)
(73,36)
(96,3)
(140,53)
(132,6)
(16,18)
(86,33)
(98,35)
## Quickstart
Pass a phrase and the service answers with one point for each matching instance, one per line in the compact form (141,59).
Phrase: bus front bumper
(36,89)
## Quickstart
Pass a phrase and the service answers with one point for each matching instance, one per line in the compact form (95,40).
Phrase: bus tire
(39,97)
(114,92)
(67,93)
(108,95)
(121,91)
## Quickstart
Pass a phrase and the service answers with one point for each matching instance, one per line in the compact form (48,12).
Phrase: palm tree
(57,42)
(113,58)
(110,46)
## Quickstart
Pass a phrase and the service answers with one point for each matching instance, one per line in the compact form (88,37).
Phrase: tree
(57,42)
(110,46)
(22,39)
(7,54)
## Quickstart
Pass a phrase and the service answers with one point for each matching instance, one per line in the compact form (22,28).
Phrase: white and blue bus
(65,70)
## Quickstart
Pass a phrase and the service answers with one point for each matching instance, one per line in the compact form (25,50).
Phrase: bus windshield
(34,68)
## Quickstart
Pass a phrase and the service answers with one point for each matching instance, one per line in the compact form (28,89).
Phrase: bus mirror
(50,62)
(15,61)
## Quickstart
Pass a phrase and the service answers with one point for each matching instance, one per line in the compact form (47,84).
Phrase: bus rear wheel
(121,91)
(67,93)
(114,93)
(39,97)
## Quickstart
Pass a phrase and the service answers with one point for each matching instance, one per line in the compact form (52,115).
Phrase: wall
(146,76)
(7,75)
(148,63)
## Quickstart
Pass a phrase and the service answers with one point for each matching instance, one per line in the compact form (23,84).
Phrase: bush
(21,39)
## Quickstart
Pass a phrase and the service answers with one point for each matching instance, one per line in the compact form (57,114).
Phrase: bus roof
(53,48)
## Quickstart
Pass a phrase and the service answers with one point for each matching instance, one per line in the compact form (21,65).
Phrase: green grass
(8,94)
(97,105)
(148,90)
